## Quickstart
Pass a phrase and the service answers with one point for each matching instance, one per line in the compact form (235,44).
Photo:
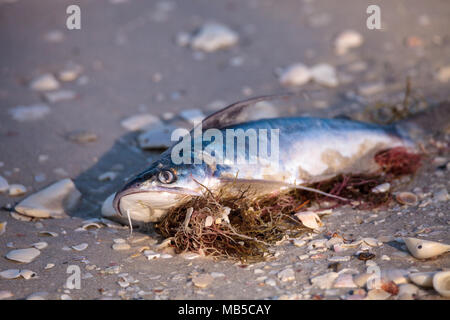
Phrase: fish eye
(166,176)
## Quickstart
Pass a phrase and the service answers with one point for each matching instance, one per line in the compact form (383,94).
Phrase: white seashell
(4,185)
(53,201)
(44,82)
(91,225)
(398,276)
(3,227)
(324,74)
(324,281)
(309,219)
(49,266)
(209,221)
(424,249)
(317,244)
(423,279)
(377,294)
(382,188)
(441,283)
(23,255)
(16,190)
(80,247)
(295,75)
(346,40)
(214,36)
(344,281)
(299,242)
(121,246)
(407,291)
(40,245)
(10,274)
(37,296)
(27,274)
(372,242)
(407,198)
(140,122)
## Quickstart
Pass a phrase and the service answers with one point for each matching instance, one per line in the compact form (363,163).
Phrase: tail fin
(435,120)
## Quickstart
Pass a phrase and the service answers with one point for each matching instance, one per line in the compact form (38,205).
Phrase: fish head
(148,196)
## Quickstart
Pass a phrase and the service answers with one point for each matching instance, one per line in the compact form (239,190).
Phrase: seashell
(316,244)
(407,198)
(372,242)
(309,219)
(23,255)
(424,249)
(423,279)
(91,226)
(47,234)
(37,296)
(344,281)
(398,276)
(441,283)
(299,242)
(324,281)
(377,294)
(51,202)
(209,221)
(10,274)
(27,274)
(16,190)
(361,280)
(40,245)
(407,291)
(3,227)
(382,188)
(49,266)
(80,247)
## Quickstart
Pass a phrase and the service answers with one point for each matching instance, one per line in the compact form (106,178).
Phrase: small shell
(80,247)
(344,281)
(27,274)
(423,279)
(40,245)
(209,221)
(424,249)
(309,219)
(10,274)
(377,294)
(23,255)
(47,234)
(407,198)
(407,291)
(17,190)
(441,283)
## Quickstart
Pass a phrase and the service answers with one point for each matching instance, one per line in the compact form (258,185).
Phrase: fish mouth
(155,189)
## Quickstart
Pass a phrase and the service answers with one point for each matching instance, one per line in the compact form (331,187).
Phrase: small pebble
(214,36)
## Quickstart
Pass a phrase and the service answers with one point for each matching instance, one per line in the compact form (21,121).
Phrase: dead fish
(309,150)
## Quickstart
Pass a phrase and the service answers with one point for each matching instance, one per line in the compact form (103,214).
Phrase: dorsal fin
(235,113)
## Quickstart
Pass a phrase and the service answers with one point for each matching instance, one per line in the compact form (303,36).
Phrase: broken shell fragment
(23,255)
(423,279)
(40,245)
(53,201)
(80,247)
(3,227)
(424,249)
(309,219)
(27,274)
(441,283)
(47,234)
(407,198)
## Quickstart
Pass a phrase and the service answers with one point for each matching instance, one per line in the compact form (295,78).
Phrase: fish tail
(435,120)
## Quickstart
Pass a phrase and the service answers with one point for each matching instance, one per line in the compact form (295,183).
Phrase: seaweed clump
(243,226)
